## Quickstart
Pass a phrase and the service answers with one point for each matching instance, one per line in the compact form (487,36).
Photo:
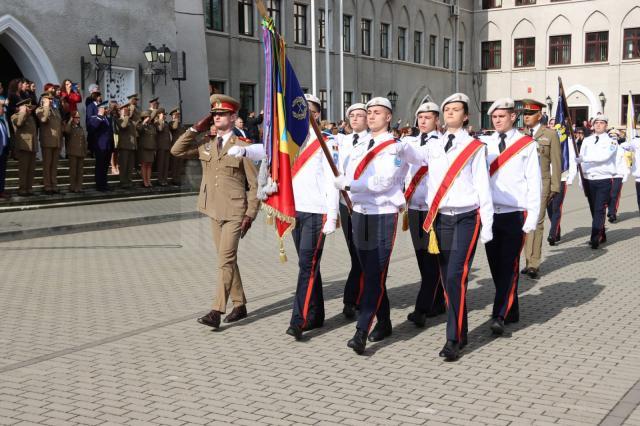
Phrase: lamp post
(98,48)
(603,100)
(153,55)
(549,103)
(393,98)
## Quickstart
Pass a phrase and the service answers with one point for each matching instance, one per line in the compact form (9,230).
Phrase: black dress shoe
(349,311)
(418,318)
(552,241)
(380,331)
(613,218)
(295,331)
(313,325)
(524,270)
(497,326)
(463,343)
(436,311)
(533,273)
(594,244)
(450,351)
(212,319)
(358,342)
(512,317)
(238,313)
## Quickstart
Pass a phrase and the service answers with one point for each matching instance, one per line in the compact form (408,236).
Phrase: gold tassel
(405,220)
(283,255)
(269,219)
(433,242)
(628,156)
(338,222)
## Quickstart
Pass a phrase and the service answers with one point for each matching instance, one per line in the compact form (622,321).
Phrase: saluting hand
(203,124)
(245,225)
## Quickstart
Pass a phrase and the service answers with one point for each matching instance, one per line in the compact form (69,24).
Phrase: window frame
(417,47)
(525,50)
(627,37)
(559,44)
(209,14)
(365,36)
(300,18)
(384,40)
(245,6)
(494,50)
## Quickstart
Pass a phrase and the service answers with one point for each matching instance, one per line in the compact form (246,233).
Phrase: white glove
(486,235)
(529,225)
(627,147)
(340,182)
(236,151)
(579,159)
(329,227)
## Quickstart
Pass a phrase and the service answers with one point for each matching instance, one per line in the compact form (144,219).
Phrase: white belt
(506,209)
(451,211)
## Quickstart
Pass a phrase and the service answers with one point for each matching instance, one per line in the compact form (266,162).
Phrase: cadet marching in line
(450,188)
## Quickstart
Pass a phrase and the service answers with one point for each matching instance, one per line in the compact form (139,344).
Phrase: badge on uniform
(207,146)
(397,161)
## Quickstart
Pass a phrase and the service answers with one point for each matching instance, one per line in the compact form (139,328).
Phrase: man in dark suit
(4,151)
(101,143)
(252,126)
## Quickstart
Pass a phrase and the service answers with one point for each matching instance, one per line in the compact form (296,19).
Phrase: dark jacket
(101,133)
(251,127)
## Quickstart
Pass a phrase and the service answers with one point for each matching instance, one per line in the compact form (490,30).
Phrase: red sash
(304,157)
(415,181)
(509,153)
(447,182)
(368,158)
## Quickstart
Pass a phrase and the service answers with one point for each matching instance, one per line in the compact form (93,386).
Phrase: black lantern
(549,103)
(164,55)
(111,48)
(150,53)
(393,98)
(603,100)
(96,46)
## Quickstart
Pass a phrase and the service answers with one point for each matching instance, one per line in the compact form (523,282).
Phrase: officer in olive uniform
(134,112)
(127,145)
(25,145)
(177,129)
(76,147)
(224,198)
(550,154)
(146,146)
(163,142)
(50,122)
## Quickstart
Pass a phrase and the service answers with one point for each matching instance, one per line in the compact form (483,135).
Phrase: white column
(327,46)
(314,85)
(341,41)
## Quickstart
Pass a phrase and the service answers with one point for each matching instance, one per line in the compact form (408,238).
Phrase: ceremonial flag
(561,128)
(286,126)
(631,119)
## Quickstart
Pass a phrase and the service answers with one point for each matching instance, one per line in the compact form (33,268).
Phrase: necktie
(502,145)
(447,147)
(355,139)
(220,143)
(371,143)
(531,132)
(597,139)
(423,139)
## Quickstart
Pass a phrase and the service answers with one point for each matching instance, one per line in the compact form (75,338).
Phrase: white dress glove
(579,159)
(329,227)
(340,182)
(236,151)
(486,235)
(529,225)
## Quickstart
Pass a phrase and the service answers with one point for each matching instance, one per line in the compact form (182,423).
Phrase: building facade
(418,48)
(45,42)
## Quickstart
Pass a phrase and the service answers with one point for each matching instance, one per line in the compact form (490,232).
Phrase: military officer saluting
(459,200)
(177,129)
(134,112)
(76,147)
(374,176)
(163,145)
(430,300)
(598,159)
(514,173)
(25,145)
(50,122)
(357,115)
(127,144)
(550,155)
(224,198)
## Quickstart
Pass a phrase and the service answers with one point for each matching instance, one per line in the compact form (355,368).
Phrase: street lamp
(603,100)
(98,48)
(549,103)
(150,53)
(153,55)
(393,98)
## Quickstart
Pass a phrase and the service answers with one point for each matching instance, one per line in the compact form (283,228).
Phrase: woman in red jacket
(69,97)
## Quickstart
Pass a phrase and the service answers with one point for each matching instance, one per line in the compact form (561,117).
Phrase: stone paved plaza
(99,328)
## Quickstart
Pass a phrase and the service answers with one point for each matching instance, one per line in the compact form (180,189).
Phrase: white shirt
(471,189)
(313,188)
(517,185)
(570,173)
(599,158)
(622,170)
(345,146)
(635,144)
(419,199)
(379,190)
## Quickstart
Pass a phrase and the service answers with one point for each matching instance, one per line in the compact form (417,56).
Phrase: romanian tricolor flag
(285,128)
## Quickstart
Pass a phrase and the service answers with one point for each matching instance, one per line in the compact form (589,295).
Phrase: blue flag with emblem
(295,107)
(561,128)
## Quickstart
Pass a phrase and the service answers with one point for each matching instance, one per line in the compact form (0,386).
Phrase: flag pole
(565,106)
(265,14)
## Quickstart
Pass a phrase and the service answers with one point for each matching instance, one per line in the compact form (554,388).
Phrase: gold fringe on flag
(433,242)
(273,214)
(283,255)
(405,220)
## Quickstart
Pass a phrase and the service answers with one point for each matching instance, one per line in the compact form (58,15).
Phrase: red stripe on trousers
(465,274)
(516,273)
(312,276)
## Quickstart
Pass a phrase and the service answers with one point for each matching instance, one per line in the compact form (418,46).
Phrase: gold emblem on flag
(299,108)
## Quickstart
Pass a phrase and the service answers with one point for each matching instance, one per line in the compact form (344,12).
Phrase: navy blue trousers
(599,196)
(457,239)
(373,236)
(103,158)
(638,194)
(4,156)
(308,305)
(554,211)
(503,254)
(614,201)
(431,295)
(355,280)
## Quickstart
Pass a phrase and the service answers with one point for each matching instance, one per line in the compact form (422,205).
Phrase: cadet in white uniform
(374,176)
(516,185)
(598,159)
(430,300)
(459,200)
(622,172)
(633,145)
(357,115)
